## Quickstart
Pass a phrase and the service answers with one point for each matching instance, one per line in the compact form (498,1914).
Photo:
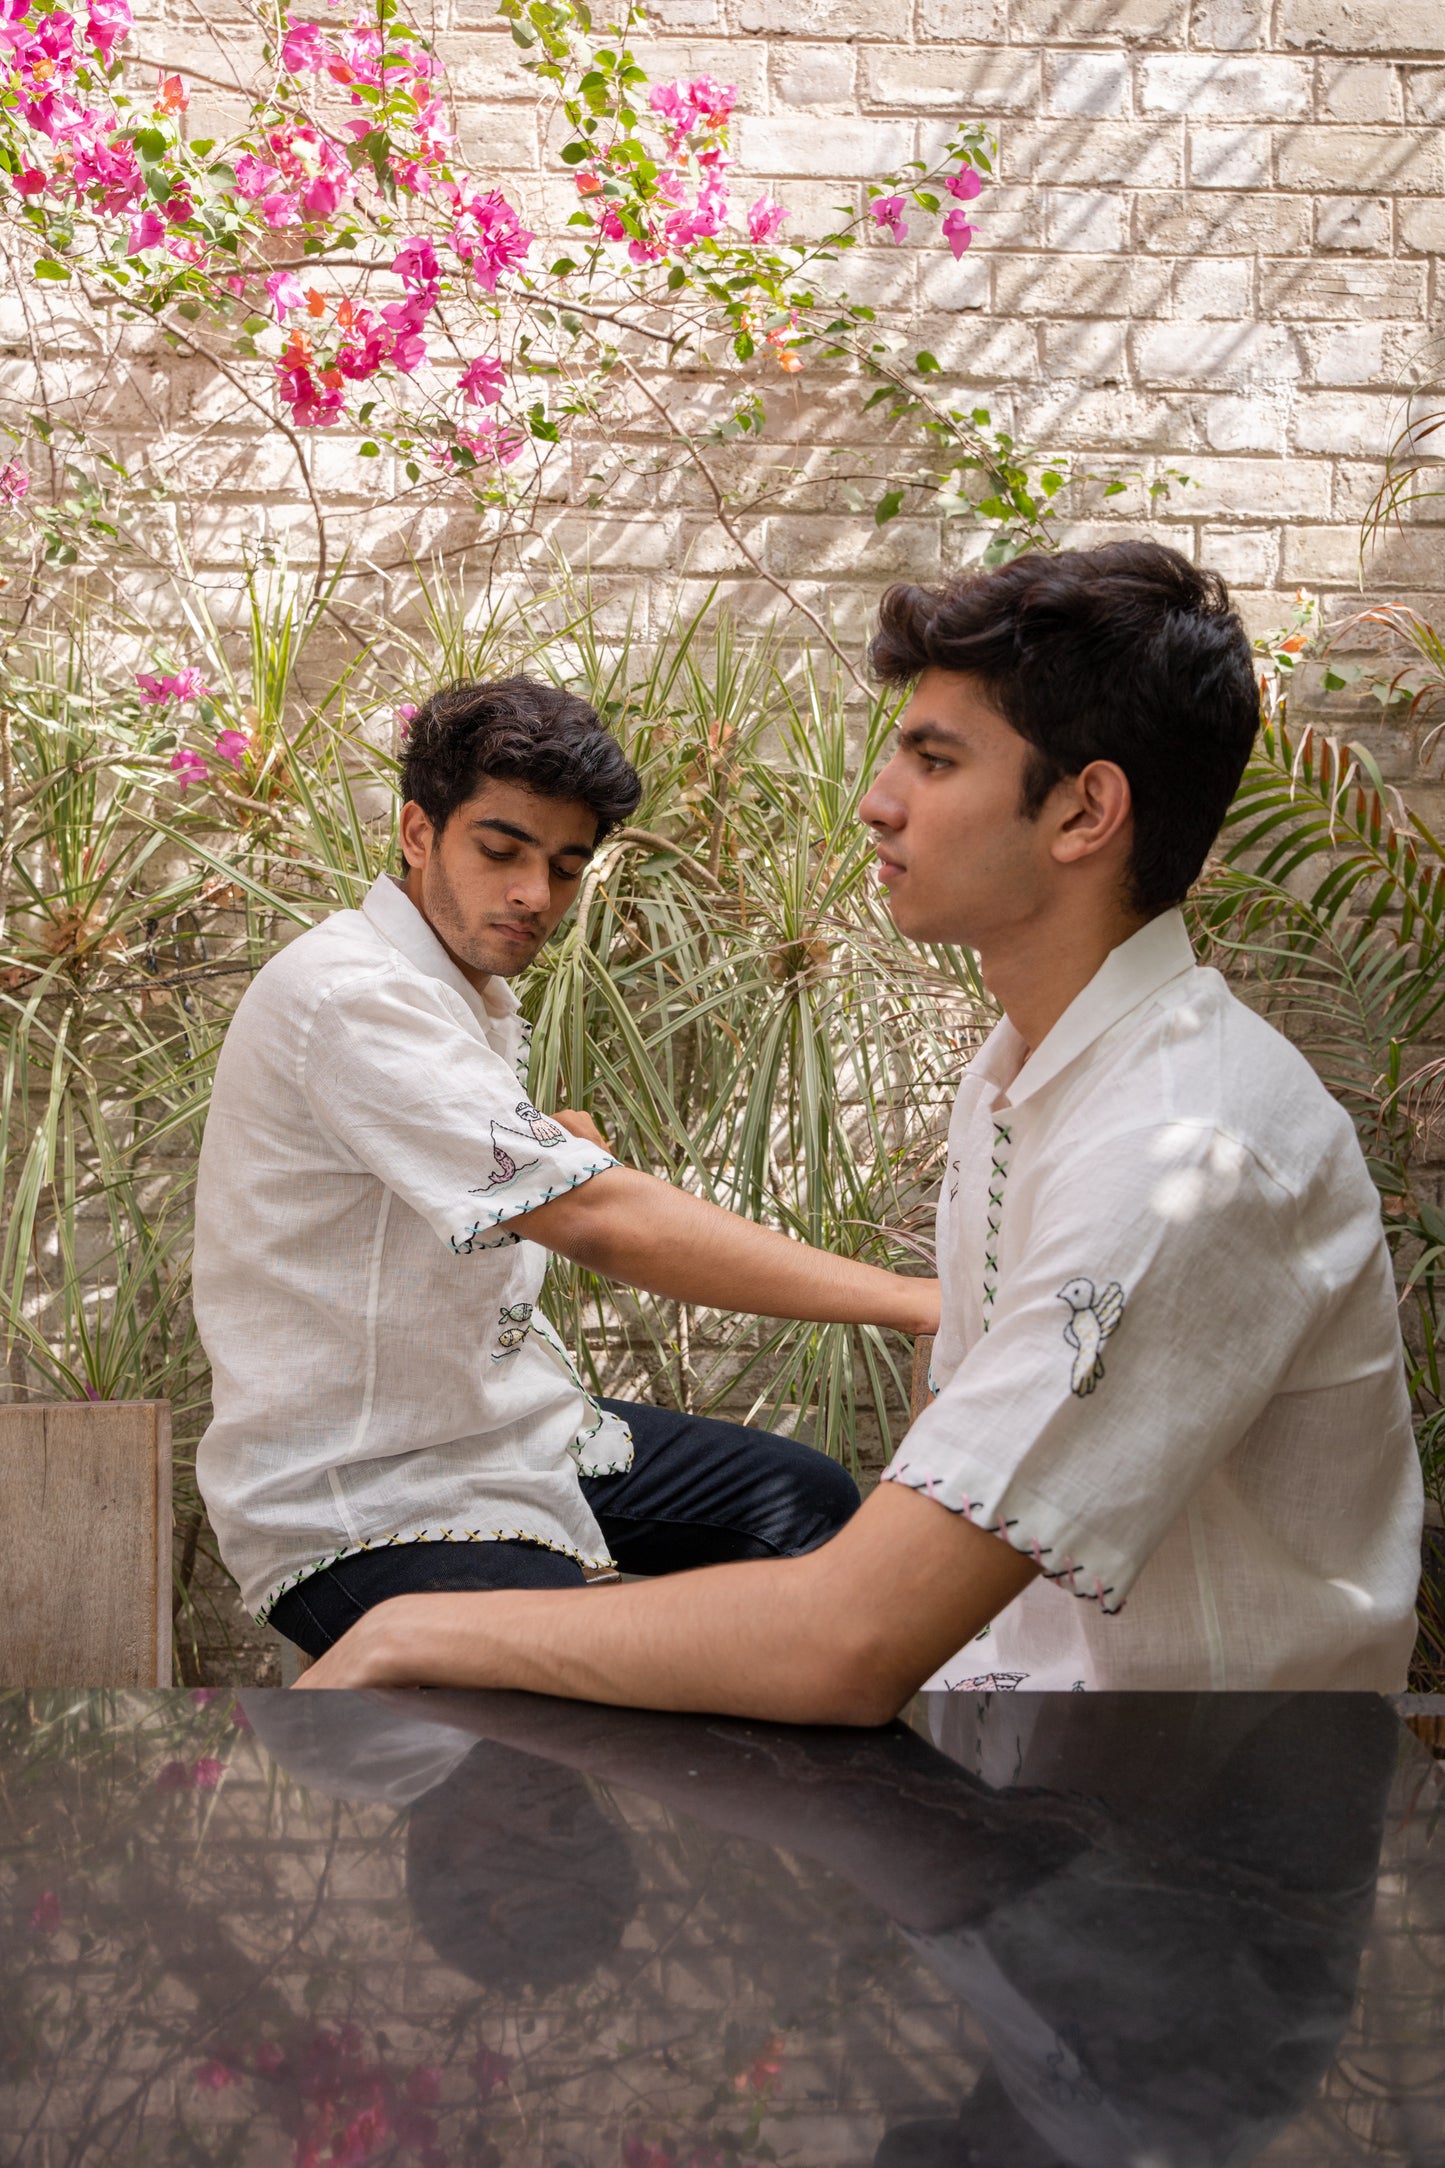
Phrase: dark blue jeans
(699,1492)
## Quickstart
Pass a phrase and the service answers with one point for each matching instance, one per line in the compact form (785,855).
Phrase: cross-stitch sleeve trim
(470,1239)
(1068,1575)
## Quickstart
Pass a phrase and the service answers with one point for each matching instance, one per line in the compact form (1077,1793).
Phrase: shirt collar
(1128,976)
(394,915)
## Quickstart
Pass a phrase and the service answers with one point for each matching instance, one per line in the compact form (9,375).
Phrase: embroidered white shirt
(1169,1366)
(381,1371)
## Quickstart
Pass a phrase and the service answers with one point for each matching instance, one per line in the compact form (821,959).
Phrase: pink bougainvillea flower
(888,210)
(215,2077)
(203,1695)
(957,231)
(254,176)
(304,49)
(489,237)
(182,685)
(189,768)
(14,482)
(30,181)
(321,197)
(416,266)
(286,292)
(47,1914)
(174,1776)
(281,209)
(147,230)
(315,402)
(424,2085)
(492,440)
(482,381)
(965,183)
(404,712)
(179,207)
(233,745)
(764,219)
(107,25)
(268,2059)
(207,1773)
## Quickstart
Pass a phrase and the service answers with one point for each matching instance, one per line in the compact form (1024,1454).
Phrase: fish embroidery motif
(506,1166)
(1091,1320)
(515,1320)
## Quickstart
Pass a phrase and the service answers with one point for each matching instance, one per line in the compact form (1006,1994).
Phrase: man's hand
(841,1636)
(581,1125)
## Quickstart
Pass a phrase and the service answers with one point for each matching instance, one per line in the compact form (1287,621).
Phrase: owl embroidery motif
(1092,1317)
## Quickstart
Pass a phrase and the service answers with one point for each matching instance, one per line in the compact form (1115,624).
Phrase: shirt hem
(586,1559)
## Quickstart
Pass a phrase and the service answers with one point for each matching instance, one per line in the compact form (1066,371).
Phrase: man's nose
(880,806)
(530,889)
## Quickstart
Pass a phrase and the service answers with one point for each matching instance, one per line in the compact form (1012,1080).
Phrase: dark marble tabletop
(1114,1931)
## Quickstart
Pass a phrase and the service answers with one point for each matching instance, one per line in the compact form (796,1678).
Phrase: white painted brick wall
(1214,245)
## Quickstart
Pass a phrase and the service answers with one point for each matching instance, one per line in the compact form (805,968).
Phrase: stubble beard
(471,948)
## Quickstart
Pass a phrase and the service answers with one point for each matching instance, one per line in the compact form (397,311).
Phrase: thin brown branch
(729,528)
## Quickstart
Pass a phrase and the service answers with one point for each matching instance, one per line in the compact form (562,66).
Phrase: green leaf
(413,471)
(926,364)
(253,324)
(368,450)
(1114,489)
(573,154)
(887,507)
(365,413)
(48,268)
(1432,1219)
(743,346)
(562,266)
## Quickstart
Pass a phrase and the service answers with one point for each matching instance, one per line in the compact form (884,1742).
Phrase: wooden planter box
(85,1544)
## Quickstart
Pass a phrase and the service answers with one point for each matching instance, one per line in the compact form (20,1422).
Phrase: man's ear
(1092,810)
(417,834)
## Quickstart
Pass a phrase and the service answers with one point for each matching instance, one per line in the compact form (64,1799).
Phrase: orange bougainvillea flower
(346,314)
(172,96)
(588,184)
(298,351)
(315,301)
(332,379)
(789,363)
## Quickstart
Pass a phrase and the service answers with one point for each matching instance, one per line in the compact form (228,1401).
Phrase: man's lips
(889,869)
(511,930)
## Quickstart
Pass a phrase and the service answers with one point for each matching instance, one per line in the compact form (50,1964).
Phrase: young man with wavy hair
(1169,1444)
(376,1201)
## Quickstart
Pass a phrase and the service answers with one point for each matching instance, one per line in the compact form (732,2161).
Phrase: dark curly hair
(1126,653)
(516,730)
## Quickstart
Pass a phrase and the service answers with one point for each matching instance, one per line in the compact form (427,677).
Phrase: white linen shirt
(1169,1363)
(381,1372)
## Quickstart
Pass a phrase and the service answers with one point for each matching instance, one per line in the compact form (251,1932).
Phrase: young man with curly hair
(1169,1368)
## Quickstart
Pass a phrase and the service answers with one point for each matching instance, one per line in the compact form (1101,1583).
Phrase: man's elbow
(860,1679)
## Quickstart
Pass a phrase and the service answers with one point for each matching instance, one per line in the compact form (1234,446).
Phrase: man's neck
(1037,971)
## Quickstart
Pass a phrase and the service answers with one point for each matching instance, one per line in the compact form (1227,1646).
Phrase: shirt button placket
(998,1175)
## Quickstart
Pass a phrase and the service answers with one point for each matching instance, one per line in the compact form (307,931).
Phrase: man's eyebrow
(524,835)
(916,734)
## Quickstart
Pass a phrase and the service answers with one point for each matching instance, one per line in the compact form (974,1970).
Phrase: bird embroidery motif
(1091,1320)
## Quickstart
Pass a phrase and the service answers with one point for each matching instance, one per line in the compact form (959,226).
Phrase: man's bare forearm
(842,1636)
(629,1226)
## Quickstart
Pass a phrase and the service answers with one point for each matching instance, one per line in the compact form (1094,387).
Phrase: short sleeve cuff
(1078,1559)
(526,1190)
